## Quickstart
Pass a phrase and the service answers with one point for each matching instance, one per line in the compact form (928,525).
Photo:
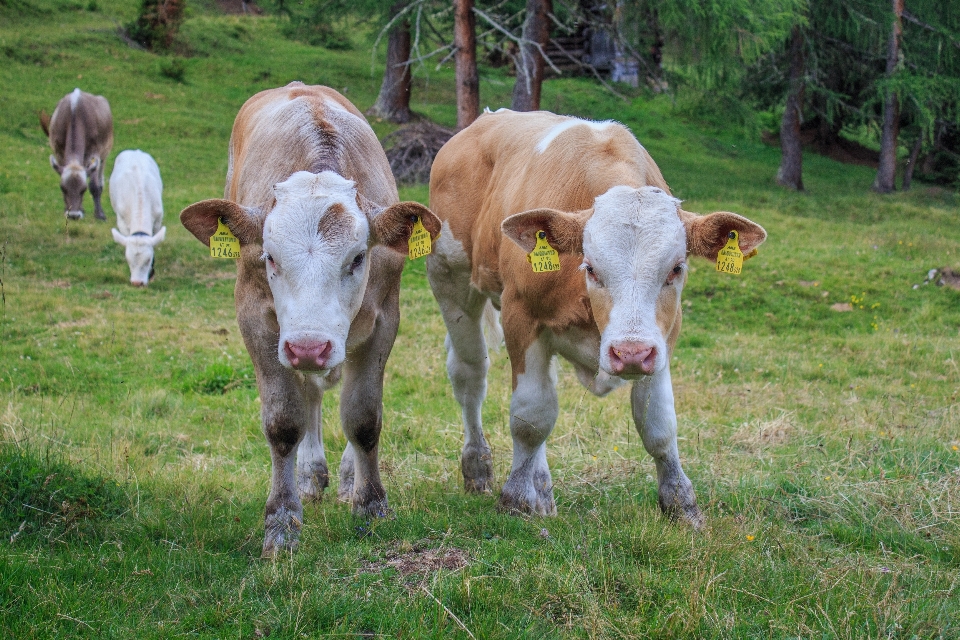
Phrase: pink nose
(309,355)
(632,358)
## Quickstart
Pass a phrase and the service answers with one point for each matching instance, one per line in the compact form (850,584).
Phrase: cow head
(139,254)
(316,242)
(635,244)
(73,184)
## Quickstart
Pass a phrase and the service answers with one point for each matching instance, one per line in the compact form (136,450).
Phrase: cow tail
(490,322)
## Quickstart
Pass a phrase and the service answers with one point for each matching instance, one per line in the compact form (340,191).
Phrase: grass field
(824,445)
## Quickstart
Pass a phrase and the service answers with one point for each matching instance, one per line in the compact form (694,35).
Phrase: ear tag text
(730,258)
(543,257)
(223,244)
(419,243)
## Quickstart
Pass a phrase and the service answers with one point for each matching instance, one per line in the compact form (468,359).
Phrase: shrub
(157,23)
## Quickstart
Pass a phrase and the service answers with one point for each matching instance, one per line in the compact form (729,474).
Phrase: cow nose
(309,355)
(137,283)
(632,358)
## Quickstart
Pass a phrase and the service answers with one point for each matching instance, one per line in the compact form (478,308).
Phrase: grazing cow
(81,135)
(136,193)
(612,308)
(322,238)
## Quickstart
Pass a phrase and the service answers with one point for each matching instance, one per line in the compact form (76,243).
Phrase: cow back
(303,128)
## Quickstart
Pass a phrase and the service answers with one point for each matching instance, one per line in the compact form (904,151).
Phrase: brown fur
(490,171)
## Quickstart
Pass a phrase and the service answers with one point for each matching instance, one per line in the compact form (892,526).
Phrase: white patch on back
(74,99)
(569,123)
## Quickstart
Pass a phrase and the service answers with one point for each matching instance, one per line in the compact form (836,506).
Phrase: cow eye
(357,261)
(674,273)
(591,274)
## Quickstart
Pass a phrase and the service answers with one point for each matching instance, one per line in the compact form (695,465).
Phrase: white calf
(135,193)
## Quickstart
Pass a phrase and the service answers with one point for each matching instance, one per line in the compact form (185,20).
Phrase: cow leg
(533,413)
(361,413)
(96,190)
(651,401)
(284,424)
(312,474)
(467,364)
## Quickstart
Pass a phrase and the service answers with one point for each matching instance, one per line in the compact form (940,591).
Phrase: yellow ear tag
(543,257)
(730,258)
(419,240)
(223,244)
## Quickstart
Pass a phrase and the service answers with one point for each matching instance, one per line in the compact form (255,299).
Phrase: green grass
(823,445)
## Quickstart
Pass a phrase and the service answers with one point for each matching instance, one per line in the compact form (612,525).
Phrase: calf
(136,193)
(612,308)
(81,135)
(322,237)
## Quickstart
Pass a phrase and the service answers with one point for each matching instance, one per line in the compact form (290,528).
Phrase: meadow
(817,396)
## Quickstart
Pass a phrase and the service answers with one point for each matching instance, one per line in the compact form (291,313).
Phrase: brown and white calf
(612,309)
(323,239)
(81,135)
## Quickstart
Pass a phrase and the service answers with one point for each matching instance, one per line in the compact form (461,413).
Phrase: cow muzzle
(74,214)
(308,355)
(632,358)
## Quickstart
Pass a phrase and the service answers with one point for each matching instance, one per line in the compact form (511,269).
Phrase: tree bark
(536,30)
(912,162)
(886,172)
(790,174)
(468,82)
(393,102)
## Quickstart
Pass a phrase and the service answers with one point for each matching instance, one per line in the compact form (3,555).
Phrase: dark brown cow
(81,135)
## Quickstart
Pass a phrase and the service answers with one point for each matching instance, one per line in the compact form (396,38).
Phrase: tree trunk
(790,174)
(886,172)
(912,162)
(468,82)
(393,103)
(536,30)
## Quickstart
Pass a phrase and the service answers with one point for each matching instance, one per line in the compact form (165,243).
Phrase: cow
(612,309)
(322,237)
(81,135)
(136,194)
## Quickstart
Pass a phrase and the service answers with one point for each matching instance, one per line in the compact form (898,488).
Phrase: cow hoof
(476,464)
(370,501)
(312,479)
(688,514)
(345,490)
(100,215)
(281,533)
(535,500)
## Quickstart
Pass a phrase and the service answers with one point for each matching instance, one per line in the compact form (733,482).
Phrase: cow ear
(707,235)
(44,122)
(392,226)
(118,237)
(158,238)
(564,230)
(201,220)
(56,165)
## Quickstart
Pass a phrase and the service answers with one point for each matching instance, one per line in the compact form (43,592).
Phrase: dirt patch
(238,7)
(412,149)
(410,559)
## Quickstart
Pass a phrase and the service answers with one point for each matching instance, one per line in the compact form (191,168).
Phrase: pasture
(817,397)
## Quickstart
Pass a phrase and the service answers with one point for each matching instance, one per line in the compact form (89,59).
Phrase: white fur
(315,290)
(136,194)
(570,123)
(74,99)
(633,241)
